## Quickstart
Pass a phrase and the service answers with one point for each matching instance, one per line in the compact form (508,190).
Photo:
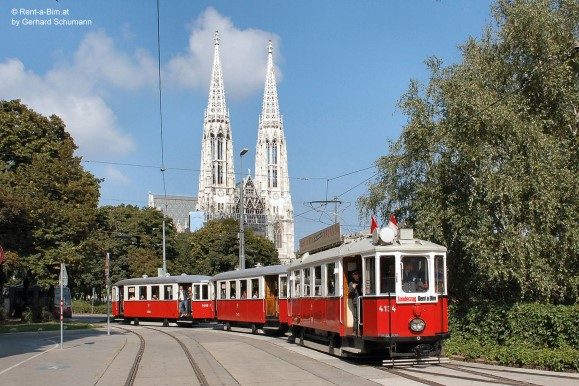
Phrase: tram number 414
(387,308)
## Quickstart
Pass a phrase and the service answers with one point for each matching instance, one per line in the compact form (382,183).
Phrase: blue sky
(342,67)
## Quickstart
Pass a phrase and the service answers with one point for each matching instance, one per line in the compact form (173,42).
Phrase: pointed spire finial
(270,109)
(216,38)
(270,47)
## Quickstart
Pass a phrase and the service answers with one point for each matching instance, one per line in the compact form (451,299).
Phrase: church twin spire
(270,108)
(216,107)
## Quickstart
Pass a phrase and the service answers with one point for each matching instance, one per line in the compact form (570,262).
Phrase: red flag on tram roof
(374,224)
(393,223)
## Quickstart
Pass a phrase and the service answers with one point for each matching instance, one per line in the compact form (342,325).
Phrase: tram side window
(131,292)
(330,279)
(255,288)
(222,287)
(414,274)
(168,292)
(439,274)
(317,281)
(155,292)
(283,287)
(297,284)
(143,292)
(243,289)
(307,283)
(232,294)
(196,291)
(204,291)
(387,275)
(370,276)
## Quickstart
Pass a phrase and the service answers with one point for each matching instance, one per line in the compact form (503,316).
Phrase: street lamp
(241,214)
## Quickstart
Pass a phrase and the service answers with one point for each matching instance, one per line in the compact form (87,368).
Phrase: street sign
(63,279)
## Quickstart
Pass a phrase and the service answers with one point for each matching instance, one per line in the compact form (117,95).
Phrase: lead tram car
(402,311)
(157,299)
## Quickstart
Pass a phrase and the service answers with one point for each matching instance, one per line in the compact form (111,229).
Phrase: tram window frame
(204,291)
(196,291)
(168,289)
(413,287)
(222,290)
(369,277)
(317,279)
(243,289)
(330,279)
(439,280)
(155,293)
(232,285)
(297,285)
(144,296)
(307,275)
(254,283)
(133,290)
(387,283)
(283,286)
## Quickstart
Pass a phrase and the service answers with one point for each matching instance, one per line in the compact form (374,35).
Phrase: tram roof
(179,279)
(364,246)
(251,272)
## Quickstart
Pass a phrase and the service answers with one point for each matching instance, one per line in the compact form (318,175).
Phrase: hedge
(527,334)
(85,307)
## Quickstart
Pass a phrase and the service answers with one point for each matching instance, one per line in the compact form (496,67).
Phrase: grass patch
(49,326)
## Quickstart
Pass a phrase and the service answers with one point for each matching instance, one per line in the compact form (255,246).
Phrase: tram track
(422,375)
(196,369)
(135,367)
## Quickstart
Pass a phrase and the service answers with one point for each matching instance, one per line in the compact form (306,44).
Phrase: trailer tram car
(157,299)
(254,297)
(401,313)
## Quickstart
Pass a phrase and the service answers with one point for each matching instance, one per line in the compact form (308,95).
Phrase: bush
(85,307)
(527,334)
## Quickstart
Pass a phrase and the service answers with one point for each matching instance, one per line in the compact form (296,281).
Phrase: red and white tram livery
(401,305)
(254,297)
(158,299)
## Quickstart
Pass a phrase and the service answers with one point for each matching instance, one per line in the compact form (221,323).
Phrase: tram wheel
(165,323)
(253,328)
(227,326)
(136,320)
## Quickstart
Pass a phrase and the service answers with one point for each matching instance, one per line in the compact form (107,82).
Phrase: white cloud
(75,91)
(243,56)
(114,175)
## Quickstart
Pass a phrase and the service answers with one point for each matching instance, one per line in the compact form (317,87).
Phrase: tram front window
(387,275)
(414,274)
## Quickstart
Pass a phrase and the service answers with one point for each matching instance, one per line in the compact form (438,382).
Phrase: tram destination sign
(321,239)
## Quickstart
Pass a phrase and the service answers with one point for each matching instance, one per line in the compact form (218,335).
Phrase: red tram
(157,299)
(402,307)
(254,297)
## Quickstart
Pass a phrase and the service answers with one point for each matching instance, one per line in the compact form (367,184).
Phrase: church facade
(266,200)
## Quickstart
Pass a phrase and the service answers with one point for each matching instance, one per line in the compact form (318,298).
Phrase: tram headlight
(417,325)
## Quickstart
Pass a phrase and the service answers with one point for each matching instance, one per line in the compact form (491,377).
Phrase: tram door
(271,297)
(351,264)
(121,294)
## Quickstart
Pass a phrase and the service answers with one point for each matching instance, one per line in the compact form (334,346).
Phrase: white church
(267,200)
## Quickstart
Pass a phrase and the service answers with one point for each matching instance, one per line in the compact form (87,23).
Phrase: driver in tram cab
(412,278)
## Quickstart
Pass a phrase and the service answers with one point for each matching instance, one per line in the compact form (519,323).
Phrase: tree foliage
(488,162)
(48,202)
(215,248)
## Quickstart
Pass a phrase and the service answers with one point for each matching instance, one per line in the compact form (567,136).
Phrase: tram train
(395,313)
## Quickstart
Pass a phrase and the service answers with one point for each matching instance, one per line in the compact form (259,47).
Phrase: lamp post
(241,214)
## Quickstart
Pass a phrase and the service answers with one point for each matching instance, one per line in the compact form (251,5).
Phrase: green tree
(48,202)
(215,248)
(133,238)
(488,162)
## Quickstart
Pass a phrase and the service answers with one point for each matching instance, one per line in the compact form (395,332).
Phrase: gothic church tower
(217,175)
(271,168)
